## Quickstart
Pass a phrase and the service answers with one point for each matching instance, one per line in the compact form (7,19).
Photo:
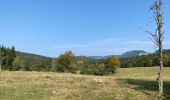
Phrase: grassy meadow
(126,84)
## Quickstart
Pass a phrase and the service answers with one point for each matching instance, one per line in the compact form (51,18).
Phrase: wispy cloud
(71,46)
(107,46)
(99,43)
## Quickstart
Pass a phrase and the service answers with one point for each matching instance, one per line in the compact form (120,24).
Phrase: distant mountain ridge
(132,53)
(33,59)
(18,53)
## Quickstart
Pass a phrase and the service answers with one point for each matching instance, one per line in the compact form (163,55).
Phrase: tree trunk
(0,63)
(0,67)
(160,80)
(160,39)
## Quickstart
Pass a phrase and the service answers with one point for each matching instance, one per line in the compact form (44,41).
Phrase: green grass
(126,84)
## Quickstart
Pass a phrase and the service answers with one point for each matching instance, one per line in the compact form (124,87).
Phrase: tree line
(7,56)
(66,62)
(69,63)
(146,60)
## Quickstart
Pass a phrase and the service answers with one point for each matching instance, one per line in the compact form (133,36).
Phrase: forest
(146,60)
(18,61)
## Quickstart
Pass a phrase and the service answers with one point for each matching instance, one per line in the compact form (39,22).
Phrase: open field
(126,84)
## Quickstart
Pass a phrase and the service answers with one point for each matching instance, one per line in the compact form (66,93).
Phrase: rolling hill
(132,53)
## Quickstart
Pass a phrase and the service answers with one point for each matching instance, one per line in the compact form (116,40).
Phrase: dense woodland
(7,57)
(16,61)
(146,60)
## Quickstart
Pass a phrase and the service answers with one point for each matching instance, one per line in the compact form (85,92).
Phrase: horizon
(93,28)
(91,55)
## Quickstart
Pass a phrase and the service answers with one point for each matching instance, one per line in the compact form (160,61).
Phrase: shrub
(93,69)
(112,64)
(65,62)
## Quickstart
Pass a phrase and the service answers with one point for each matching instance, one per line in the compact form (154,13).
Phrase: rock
(98,80)
(54,92)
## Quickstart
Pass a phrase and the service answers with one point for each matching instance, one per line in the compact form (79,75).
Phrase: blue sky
(87,27)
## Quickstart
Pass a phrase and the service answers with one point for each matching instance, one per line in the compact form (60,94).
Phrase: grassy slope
(127,84)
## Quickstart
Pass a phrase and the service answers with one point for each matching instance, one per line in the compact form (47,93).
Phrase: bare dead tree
(157,39)
(0,63)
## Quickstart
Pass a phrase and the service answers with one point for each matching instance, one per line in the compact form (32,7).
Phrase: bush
(65,63)
(99,70)
(93,69)
(18,64)
(112,64)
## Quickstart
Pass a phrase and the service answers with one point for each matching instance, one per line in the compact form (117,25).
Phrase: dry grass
(127,84)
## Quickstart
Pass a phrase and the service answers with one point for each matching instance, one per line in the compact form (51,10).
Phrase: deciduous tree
(112,64)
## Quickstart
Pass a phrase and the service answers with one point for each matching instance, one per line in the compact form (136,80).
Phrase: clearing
(126,84)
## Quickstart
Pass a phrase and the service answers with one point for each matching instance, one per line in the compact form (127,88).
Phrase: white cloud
(107,46)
